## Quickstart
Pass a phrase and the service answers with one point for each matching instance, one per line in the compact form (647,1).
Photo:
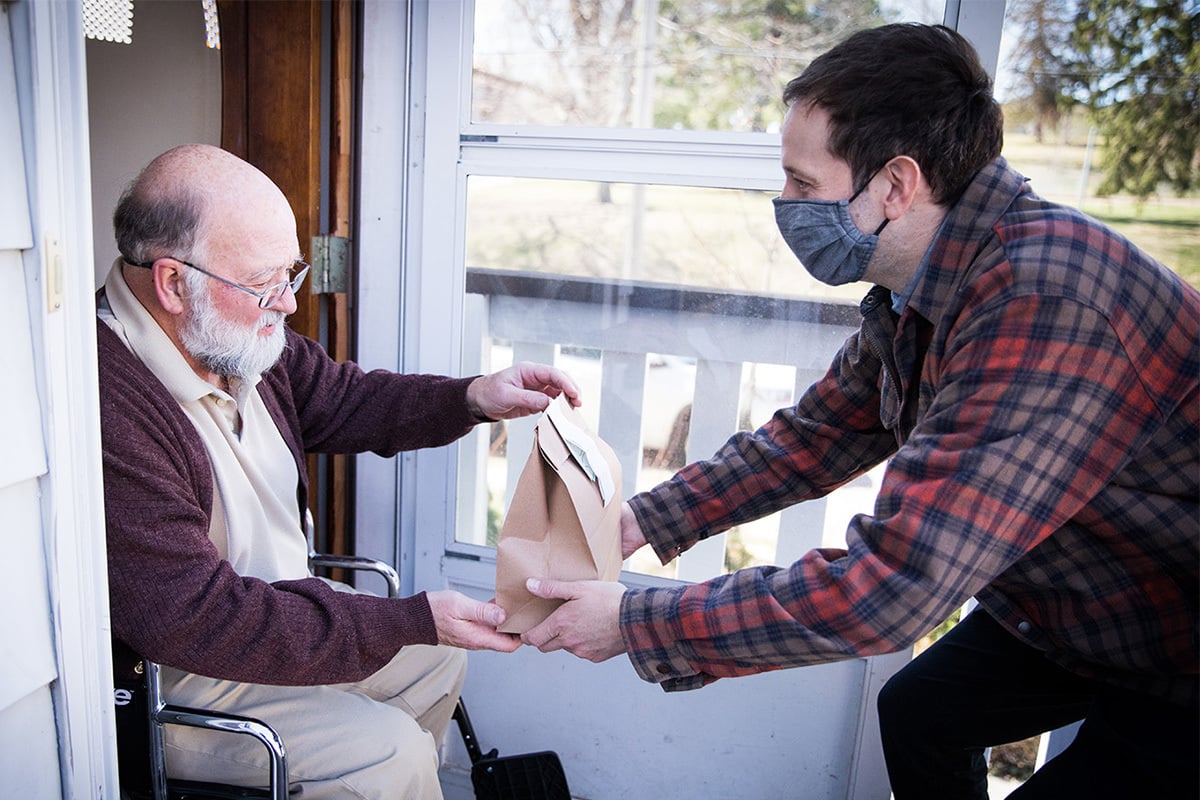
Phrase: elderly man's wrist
(473,406)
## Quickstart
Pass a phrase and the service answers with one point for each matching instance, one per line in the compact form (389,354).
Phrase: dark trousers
(979,686)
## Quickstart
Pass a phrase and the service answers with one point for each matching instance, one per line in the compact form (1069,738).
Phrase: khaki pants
(374,739)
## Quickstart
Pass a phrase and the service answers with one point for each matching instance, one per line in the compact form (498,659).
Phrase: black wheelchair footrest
(529,776)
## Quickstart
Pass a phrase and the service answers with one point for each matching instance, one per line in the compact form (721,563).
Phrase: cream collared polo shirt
(254,516)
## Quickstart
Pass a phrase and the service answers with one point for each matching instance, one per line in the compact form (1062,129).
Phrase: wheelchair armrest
(358,563)
(316,559)
(232,723)
(141,714)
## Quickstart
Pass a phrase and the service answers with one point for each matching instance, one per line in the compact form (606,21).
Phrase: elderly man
(209,404)
(1032,380)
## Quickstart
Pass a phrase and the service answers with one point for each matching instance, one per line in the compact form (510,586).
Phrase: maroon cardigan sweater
(173,599)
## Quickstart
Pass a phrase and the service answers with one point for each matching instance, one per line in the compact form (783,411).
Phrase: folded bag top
(564,521)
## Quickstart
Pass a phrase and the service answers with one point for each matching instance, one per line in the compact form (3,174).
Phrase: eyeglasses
(267,298)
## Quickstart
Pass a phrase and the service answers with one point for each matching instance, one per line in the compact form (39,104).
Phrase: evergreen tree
(1143,88)
(1042,61)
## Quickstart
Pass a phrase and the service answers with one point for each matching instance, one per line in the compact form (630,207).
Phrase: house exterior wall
(28,739)
(56,735)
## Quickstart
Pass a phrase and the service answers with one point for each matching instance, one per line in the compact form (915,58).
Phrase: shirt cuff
(655,648)
(658,527)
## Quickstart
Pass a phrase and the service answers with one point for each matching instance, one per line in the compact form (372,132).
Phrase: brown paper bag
(564,521)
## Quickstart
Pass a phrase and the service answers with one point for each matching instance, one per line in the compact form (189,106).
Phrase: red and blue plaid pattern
(1038,398)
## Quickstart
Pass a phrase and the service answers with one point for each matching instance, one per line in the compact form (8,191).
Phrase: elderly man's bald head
(183,195)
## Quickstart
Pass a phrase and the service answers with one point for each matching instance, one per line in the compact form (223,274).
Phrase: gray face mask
(825,239)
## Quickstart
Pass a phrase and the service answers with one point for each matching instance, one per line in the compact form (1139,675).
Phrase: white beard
(225,347)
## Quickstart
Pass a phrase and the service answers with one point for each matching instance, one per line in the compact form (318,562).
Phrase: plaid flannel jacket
(1038,399)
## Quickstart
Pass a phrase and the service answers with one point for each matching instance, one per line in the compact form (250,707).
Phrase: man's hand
(587,625)
(519,390)
(469,624)
(632,538)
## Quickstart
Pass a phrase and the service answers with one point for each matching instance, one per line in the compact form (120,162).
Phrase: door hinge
(330,264)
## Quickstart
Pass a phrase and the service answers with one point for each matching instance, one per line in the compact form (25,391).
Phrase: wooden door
(272,73)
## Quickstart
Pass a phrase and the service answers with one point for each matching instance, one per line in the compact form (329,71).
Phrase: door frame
(48,46)
(289,110)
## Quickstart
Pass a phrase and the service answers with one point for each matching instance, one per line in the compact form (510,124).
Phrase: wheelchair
(142,712)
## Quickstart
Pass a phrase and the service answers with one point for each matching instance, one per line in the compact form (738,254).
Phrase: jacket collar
(966,230)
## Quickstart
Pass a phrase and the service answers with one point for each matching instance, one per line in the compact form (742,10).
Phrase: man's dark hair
(150,225)
(906,90)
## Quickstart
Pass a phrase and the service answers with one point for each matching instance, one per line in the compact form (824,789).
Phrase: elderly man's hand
(520,390)
(469,624)
(587,625)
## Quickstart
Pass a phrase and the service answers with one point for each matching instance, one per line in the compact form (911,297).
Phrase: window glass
(678,309)
(684,235)
(714,65)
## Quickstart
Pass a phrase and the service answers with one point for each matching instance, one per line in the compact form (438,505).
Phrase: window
(616,164)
